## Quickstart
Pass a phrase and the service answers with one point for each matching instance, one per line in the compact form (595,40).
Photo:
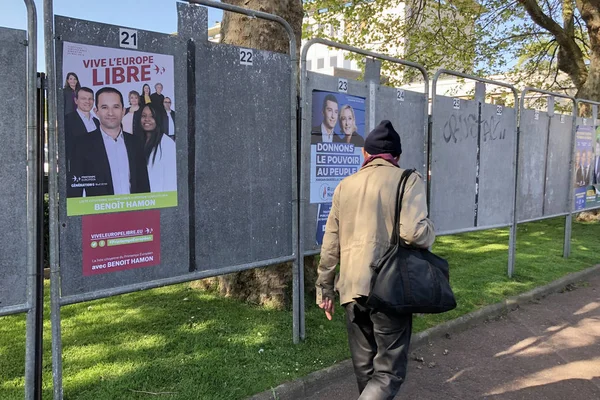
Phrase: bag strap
(399,196)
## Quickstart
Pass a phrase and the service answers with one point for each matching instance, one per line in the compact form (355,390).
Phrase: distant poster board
(585,169)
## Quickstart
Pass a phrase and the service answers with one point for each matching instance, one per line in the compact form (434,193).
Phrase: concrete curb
(302,387)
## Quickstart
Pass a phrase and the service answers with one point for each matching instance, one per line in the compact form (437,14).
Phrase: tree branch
(572,61)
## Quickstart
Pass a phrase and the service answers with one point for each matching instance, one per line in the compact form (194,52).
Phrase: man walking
(357,234)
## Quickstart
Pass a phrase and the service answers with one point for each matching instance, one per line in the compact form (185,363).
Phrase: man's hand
(328,306)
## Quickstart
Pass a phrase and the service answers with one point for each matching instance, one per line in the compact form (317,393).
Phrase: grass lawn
(188,344)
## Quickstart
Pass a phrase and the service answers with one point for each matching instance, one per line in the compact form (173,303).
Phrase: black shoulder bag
(407,279)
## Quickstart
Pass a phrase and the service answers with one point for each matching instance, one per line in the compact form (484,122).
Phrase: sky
(151,15)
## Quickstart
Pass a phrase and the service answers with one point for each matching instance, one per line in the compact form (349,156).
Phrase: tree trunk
(270,286)
(242,30)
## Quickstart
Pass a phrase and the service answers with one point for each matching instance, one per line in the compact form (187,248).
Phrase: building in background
(334,62)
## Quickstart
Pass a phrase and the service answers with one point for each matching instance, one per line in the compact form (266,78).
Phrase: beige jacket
(359,227)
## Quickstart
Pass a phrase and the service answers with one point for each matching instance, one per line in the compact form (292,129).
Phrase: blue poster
(585,192)
(322,214)
(337,139)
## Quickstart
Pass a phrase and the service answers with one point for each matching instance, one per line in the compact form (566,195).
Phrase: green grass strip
(189,344)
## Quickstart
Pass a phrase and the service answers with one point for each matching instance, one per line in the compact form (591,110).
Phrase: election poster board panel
(533,141)
(454,164)
(408,114)
(337,139)
(585,193)
(101,246)
(496,165)
(243,208)
(558,177)
(119,129)
(13,174)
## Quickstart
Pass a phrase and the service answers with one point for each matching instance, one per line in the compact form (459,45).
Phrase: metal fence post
(53,200)
(32,380)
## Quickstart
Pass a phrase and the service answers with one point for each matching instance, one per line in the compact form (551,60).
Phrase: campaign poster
(594,197)
(585,194)
(120,241)
(119,129)
(337,139)
(322,215)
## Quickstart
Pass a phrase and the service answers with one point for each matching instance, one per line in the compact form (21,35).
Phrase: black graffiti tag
(491,129)
(462,127)
(459,128)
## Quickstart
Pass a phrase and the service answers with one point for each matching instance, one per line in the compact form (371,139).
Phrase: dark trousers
(379,347)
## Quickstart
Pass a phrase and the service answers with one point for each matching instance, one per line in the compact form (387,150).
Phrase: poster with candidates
(593,197)
(585,194)
(337,138)
(120,155)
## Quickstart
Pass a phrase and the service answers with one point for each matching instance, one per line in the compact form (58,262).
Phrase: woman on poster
(71,87)
(348,127)
(131,112)
(160,152)
(145,96)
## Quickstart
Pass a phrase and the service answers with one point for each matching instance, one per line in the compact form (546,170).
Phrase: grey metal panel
(174,222)
(453,164)
(327,83)
(13,174)
(243,163)
(409,119)
(496,180)
(533,136)
(558,181)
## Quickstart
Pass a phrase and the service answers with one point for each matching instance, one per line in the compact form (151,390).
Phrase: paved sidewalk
(546,349)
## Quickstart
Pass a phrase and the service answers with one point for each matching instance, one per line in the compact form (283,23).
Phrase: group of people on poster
(587,170)
(112,149)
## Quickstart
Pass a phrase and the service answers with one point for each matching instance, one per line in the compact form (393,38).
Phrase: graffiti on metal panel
(459,128)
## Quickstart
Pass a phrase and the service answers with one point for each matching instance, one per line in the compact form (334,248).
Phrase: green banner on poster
(120,203)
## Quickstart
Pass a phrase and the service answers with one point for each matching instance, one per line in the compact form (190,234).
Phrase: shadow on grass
(190,344)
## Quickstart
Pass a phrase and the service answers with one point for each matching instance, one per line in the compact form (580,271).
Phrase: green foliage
(483,37)
(191,344)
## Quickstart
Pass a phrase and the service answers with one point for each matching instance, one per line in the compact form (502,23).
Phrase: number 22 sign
(246,57)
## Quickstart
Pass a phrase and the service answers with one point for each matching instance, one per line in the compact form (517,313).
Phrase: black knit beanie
(383,139)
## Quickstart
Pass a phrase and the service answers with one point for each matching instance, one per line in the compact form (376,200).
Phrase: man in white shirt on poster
(108,161)
(81,121)
(169,124)
(326,131)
